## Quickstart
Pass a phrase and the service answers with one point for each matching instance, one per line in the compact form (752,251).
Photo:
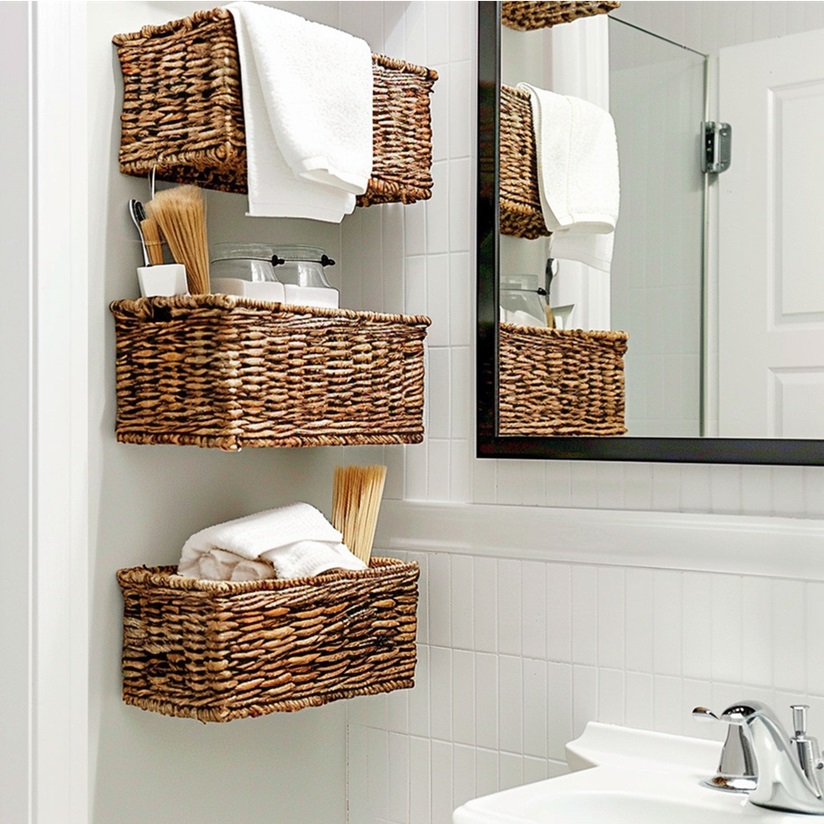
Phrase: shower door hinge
(716,151)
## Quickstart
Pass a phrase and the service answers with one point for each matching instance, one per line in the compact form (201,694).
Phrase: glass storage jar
(301,270)
(245,269)
(523,300)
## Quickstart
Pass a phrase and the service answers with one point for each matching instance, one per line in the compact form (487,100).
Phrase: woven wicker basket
(521,213)
(560,383)
(526,16)
(183,111)
(228,372)
(217,650)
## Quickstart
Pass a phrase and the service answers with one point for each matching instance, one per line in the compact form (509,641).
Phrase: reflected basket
(520,199)
(527,16)
(561,383)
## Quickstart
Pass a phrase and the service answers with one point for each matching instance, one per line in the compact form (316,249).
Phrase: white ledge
(741,545)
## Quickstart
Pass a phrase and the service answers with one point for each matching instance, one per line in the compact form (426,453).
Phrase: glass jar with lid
(245,269)
(301,271)
(523,300)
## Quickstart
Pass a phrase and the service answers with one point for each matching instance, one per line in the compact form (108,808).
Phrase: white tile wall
(641,647)
(516,656)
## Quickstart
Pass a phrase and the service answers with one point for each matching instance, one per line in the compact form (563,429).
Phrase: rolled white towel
(287,542)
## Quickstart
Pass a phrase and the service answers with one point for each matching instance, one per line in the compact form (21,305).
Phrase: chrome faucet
(737,766)
(787,768)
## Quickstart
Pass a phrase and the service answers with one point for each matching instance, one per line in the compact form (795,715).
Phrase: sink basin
(626,777)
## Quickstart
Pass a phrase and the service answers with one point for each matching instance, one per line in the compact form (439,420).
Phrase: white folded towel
(289,542)
(577,158)
(307,101)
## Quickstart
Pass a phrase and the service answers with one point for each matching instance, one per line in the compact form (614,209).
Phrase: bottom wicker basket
(217,650)
(560,383)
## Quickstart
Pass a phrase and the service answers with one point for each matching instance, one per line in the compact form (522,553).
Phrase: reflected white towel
(307,99)
(288,542)
(578,179)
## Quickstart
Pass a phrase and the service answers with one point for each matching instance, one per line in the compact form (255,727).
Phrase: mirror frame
(490,444)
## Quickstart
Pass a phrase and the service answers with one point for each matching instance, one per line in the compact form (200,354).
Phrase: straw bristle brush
(153,240)
(181,215)
(356,501)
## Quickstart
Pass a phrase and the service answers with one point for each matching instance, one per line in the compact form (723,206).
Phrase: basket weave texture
(183,111)
(526,16)
(560,383)
(225,371)
(520,199)
(218,650)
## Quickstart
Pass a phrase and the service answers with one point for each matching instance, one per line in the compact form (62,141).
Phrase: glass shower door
(658,100)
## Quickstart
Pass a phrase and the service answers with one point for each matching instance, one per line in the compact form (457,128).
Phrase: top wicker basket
(183,111)
(526,16)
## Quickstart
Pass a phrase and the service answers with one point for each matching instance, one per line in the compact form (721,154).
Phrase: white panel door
(771,240)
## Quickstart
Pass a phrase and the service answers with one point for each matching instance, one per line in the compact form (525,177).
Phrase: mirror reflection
(702,313)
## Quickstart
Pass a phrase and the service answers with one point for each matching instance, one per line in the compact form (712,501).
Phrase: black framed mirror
(490,442)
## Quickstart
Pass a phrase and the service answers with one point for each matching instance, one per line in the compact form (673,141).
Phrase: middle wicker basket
(227,372)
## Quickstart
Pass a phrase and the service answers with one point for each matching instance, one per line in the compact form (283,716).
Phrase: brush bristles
(181,215)
(356,501)
(153,240)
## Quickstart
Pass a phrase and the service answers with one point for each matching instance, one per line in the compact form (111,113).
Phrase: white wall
(15,412)
(143,502)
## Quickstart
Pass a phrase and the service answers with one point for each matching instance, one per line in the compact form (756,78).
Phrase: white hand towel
(307,99)
(578,180)
(307,558)
(287,542)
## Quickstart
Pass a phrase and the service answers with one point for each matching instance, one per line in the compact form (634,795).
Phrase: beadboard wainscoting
(531,626)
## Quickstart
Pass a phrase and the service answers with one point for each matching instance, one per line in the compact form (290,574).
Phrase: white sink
(624,776)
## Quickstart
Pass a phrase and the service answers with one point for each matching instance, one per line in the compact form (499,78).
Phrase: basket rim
(595,334)
(222,13)
(144,308)
(166,577)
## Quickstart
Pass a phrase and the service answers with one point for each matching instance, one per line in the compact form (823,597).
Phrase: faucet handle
(806,747)
(800,719)
(737,767)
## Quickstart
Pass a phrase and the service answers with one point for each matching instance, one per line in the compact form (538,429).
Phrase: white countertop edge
(744,545)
